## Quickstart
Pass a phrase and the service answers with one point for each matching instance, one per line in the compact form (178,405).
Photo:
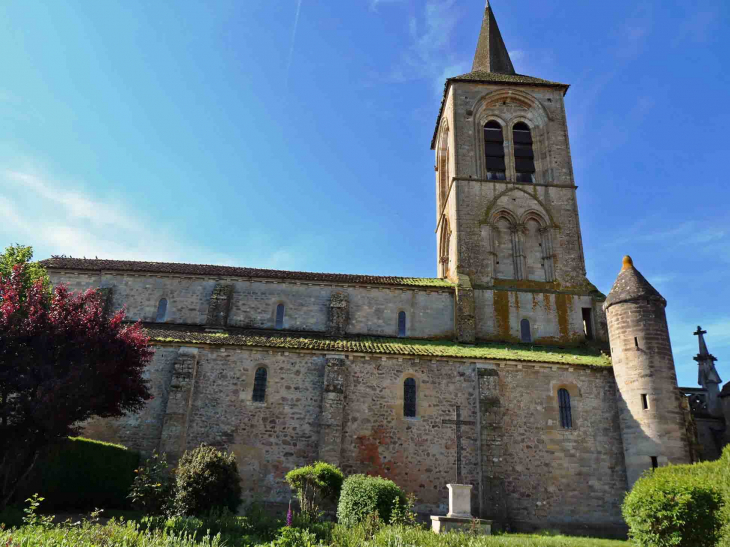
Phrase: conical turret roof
(631,285)
(491,54)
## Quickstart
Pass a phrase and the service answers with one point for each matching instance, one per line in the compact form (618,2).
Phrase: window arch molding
(575,395)
(444,247)
(443,166)
(401,398)
(528,110)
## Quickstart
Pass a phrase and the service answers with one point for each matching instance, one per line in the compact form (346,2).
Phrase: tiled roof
(95,265)
(490,78)
(631,285)
(375,345)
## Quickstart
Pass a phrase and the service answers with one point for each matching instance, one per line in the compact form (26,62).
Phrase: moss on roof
(484,76)
(96,265)
(376,345)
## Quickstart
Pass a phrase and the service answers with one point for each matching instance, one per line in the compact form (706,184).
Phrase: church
(509,371)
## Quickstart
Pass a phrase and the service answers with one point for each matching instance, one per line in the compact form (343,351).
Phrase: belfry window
(161,310)
(280,316)
(524,156)
(401,324)
(409,398)
(494,151)
(525,332)
(566,416)
(259,385)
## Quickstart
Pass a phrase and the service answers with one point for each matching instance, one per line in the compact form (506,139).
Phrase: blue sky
(295,134)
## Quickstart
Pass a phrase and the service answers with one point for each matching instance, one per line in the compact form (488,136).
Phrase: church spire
(491,54)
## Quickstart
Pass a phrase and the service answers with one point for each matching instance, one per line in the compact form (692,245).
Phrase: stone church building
(490,374)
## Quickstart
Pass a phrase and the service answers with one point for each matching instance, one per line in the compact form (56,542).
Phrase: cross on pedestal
(458,423)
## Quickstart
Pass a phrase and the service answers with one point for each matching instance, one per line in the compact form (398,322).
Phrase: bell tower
(506,207)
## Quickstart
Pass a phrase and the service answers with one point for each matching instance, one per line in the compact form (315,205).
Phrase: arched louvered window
(161,310)
(494,151)
(259,385)
(524,156)
(409,398)
(525,332)
(401,324)
(566,417)
(280,316)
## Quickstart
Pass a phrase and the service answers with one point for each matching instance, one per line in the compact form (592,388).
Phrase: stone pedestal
(459,516)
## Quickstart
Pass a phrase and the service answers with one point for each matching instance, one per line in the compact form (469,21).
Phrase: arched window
(401,324)
(503,245)
(259,385)
(566,417)
(444,247)
(161,310)
(494,151)
(280,316)
(409,398)
(525,333)
(442,163)
(524,156)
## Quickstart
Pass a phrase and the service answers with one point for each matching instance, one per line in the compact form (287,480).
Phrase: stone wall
(371,310)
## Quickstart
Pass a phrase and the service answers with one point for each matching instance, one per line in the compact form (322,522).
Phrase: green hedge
(82,474)
(363,495)
(693,478)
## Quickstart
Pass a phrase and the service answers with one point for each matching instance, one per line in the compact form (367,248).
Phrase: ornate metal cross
(458,423)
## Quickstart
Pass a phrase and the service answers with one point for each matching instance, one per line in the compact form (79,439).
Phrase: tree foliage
(62,361)
(363,496)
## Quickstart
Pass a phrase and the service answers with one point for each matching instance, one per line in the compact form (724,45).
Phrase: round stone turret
(652,422)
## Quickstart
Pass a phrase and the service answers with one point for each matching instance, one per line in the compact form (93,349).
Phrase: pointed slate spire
(491,54)
(631,285)
(707,371)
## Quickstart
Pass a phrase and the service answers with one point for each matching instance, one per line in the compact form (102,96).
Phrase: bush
(314,484)
(295,537)
(666,510)
(206,479)
(153,487)
(82,474)
(362,495)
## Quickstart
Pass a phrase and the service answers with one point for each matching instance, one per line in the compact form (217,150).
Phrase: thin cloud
(293,41)
(374,4)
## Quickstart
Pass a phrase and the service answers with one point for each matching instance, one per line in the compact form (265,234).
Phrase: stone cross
(458,423)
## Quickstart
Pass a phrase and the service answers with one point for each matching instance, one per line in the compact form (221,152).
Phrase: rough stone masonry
(284,368)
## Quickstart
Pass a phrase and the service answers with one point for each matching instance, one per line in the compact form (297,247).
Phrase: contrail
(293,39)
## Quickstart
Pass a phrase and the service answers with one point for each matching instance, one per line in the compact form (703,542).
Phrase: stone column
(465,313)
(491,422)
(333,403)
(173,439)
(339,314)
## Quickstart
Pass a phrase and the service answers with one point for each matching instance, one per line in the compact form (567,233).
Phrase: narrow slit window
(588,323)
(494,151)
(402,324)
(161,310)
(636,342)
(259,385)
(280,316)
(654,462)
(644,401)
(524,155)
(525,332)
(566,416)
(409,398)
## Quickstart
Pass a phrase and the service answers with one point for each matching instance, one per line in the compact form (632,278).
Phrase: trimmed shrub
(82,474)
(206,479)
(664,511)
(314,484)
(363,496)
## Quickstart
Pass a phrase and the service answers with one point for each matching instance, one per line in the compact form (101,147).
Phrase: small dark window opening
(654,462)
(524,155)
(644,401)
(636,342)
(494,151)
(409,398)
(566,417)
(401,324)
(162,310)
(525,333)
(280,316)
(259,385)
(588,323)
